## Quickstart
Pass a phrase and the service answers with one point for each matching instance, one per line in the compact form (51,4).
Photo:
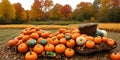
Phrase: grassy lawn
(7,34)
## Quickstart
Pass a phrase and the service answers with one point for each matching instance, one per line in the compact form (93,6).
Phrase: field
(7,33)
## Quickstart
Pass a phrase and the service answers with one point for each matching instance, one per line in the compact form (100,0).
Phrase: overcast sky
(26,4)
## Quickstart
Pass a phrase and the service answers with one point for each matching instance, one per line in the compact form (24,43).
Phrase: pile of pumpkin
(33,41)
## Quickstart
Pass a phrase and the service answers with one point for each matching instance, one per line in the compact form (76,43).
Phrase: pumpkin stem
(30,52)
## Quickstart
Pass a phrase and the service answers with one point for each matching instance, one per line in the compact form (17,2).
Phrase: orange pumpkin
(39,39)
(62,41)
(69,52)
(59,36)
(90,44)
(39,33)
(70,43)
(49,40)
(54,41)
(45,34)
(26,37)
(97,40)
(12,42)
(31,55)
(19,42)
(33,31)
(38,48)
(34,35)
(68,34)
(23,48)
(89,38)
(115,56)
(20,36)
(104,39)
(75,35)
(49,47)
(60,48)
(84,35)
(62,30)
(75,31)
(110,42)
(37,28)
(73,28)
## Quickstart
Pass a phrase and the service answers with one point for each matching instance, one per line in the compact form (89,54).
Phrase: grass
(6,34)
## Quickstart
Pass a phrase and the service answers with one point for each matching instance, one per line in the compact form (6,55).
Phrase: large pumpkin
(90,44)
(38,48)
(49,47)
(31,55)
(23,48)
(69,52)
(60,48)
(115,56)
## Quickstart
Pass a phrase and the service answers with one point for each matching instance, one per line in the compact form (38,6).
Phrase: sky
(26,4)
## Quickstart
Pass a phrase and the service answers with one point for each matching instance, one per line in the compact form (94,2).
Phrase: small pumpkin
(31,55)
(60,48)
(70,43)
(104,33)
(33,31)
(69,52)
(61,35)
(67,37)
(89,38)
(75,35)
(12,42)
(43,41)
(38,48)
(98,40)
(19,42)
(62,30)
(23,48)
(80,40)
(90,44)
(75,31)
(104,39)
(34,35)
(49,39)
(110,42)
(62,41)
(99,33)
(68,34)
(49,47)
(115,56)
(32,43)
(45,34)
(26,37)
(54,41)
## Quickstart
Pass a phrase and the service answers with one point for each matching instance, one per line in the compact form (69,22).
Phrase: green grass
(7,34)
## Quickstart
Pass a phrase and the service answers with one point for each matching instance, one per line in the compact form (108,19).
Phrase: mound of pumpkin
(33,41)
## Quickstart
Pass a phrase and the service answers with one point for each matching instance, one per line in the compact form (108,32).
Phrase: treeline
(42,10)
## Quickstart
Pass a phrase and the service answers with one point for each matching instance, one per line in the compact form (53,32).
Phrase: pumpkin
(89,38)
(60,48)
(20,36)
(99,33)
(37,28)
(49,40)
(62,30)
(115,56)
(39,39)
(84,35)
(12,42)
(19,42)
(23,48)
(38,48)
(110,42)
(97,40)
(45,34)
(62,41)
(75,31)
(61,35)
(75,35)
(68,34)
(39,33)
(49,47)
(26,37)
(32,42)
(31,55)
(33,31)
(70,43)
(67,37)
(80,40)
(69,52)
(54,41)
(43,41)
(90,44)
(104,39)
(34,35)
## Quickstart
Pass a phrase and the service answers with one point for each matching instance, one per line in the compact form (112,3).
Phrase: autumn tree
(65,12)
(7,11)
(54,12)
(36,12)
(84,11)
(20,13)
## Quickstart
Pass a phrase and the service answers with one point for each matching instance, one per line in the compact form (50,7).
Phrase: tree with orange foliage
(65,12)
